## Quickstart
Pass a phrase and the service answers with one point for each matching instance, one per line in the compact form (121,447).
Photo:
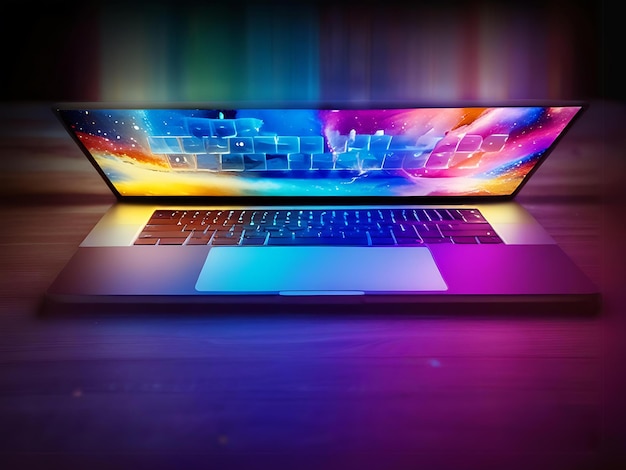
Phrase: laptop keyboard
(291,227)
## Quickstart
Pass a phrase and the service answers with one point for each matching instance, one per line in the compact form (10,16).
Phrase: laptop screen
(452,151)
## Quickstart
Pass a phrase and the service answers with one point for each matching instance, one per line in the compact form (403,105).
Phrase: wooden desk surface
(306,391)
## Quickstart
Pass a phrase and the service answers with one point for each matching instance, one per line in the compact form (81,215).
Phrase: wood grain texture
(253,389)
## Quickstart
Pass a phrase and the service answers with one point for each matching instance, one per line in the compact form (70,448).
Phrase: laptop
(229,204)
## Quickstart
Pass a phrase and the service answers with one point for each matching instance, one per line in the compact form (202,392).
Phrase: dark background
(184,50)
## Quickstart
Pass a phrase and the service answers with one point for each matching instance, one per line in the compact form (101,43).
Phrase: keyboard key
(172,241)
(255,241)
(467,230)
(489,239)
(198,241)
(225,241)
(146,241)
(410,241)
(464,240)
(436,240)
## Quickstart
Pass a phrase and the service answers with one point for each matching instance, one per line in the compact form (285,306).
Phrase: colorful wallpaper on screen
(307,152)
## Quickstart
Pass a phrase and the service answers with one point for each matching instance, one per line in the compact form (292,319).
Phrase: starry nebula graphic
(455,151)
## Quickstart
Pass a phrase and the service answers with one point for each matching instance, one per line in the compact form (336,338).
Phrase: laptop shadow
(548,307)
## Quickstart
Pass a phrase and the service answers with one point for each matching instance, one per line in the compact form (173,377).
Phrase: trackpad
(319,270)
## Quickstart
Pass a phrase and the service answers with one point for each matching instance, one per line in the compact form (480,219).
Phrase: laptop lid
(331,154)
